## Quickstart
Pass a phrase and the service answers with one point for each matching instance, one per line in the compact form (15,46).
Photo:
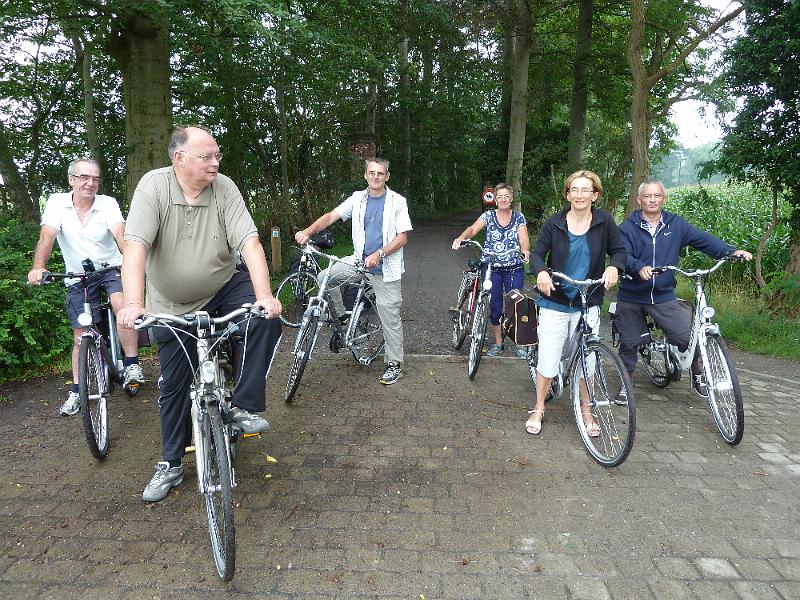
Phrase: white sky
(695,129)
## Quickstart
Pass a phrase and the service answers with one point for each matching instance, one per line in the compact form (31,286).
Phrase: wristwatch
(381,254)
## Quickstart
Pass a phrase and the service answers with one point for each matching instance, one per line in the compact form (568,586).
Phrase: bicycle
(100,360)
(589,359)
(664,363)
(466,301)
(214,437)
(363,334)
(296,288)
(480,310)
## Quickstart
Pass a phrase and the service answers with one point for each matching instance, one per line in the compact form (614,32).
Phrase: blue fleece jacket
(661,250)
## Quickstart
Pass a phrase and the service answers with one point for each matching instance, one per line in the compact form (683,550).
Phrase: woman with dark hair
(574,242)
(506,233)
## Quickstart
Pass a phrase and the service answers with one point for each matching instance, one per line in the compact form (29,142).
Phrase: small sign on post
(275,238)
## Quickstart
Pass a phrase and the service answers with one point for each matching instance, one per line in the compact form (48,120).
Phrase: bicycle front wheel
(302,354)
(461,318)
(219,494)
(655,359)
(93,392)
(293,293)
(724,395)
(605,416)
(366,341)
(478,337)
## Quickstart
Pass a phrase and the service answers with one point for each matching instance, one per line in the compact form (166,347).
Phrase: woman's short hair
(503,186)
(590,175)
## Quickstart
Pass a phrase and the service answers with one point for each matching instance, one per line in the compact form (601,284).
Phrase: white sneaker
(71,406)
(133,377)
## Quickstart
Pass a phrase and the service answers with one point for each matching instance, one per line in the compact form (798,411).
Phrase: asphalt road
(426,489)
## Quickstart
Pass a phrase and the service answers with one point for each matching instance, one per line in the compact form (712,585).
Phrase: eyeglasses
(85,178)
(501,196)
(653,196)
(376,173)
(205,157)
(580,191)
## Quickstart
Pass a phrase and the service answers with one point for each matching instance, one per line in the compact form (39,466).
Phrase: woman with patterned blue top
(507,233)
(575,242)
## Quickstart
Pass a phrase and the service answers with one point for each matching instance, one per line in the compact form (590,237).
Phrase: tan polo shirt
(192,248)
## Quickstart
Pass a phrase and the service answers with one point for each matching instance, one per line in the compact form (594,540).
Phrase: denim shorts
(73,303)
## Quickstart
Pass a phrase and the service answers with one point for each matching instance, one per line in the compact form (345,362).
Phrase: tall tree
(518,120)
(580,86)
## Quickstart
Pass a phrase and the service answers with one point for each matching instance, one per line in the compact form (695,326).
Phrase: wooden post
(277,262)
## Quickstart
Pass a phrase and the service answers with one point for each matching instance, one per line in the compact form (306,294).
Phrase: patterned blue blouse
(503,239)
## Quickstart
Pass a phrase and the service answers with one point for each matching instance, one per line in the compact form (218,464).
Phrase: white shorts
(554,328)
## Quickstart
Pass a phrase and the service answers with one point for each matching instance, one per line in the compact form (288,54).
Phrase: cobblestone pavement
(426,489)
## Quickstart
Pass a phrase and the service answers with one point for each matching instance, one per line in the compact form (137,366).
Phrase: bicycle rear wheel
(465,300)
(293,293)
(367,339)
(219,494)
(606,422)
(93,392)
(478,337)
(656,362)
(724,395)
(302,354)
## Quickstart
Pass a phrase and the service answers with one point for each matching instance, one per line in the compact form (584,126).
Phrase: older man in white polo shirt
(86,225)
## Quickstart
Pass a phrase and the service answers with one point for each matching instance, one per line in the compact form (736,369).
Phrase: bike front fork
(201,430)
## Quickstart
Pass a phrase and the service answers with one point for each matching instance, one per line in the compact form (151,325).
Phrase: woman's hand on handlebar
(610,277)
(544,283)
(457,243)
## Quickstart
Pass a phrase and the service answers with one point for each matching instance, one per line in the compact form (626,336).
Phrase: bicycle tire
(616,421)
(219,495)
(724,394)
(93,393)
(655,360)
(367,340)
(300,359)
(293,292)
(462,318)
(478,337)
(532,360)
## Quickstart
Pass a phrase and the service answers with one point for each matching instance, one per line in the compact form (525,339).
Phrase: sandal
(534,425)
(593,429)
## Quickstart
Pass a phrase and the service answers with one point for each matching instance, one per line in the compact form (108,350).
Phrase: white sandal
(533,425)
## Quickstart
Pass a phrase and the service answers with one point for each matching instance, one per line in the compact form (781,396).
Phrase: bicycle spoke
(724,395)
(93,393)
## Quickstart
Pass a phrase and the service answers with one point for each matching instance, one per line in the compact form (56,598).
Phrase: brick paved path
(429,488)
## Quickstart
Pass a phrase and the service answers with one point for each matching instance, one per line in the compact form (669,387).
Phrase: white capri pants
(554,328)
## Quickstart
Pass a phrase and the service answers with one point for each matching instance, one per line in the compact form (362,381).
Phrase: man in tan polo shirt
(184,229)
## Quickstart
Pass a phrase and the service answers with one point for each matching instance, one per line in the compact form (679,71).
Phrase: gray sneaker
(247,421)
(162,482)
(522,352)
(71,406)
(134,377)
(495,350)
(392,373)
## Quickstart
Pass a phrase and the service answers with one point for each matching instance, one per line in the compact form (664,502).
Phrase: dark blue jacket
(552,250)
(661,250)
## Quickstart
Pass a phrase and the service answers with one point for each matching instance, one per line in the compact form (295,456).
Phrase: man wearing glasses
(86,225)
(380,226)
(654,237)
(186,226)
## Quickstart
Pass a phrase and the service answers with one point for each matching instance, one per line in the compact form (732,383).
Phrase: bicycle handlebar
(581,283)
(190,319)
(698,272)
(359,266)
(47,276)
(489,252)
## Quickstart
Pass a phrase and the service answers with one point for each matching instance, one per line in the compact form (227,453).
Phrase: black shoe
(699,385)
(336,342)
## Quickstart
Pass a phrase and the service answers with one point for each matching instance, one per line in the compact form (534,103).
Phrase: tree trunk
(793,264)
(139,43)
(519,101)
(14,183)
(84,56)
(284,211)
(405,117)
(580,87)
(640,138)
(763,241)
(509,18)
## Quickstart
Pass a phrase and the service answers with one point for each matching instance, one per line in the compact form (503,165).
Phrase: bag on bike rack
(520,318)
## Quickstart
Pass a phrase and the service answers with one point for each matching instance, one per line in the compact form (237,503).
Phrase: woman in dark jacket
(575,242)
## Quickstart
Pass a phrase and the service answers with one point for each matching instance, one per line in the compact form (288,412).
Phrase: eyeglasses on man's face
(205,157)
(580,191)
(84,178)
(653,196)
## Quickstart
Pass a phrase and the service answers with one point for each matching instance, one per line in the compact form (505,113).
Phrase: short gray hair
(651,182)
(180,135)
(381,161)
(74,163)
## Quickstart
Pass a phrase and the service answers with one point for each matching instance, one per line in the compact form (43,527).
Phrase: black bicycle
(100,360)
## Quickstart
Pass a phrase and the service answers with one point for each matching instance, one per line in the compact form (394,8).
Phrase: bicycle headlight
(207,371)
(487,285)
(84,319)
(304,260)
(707,312)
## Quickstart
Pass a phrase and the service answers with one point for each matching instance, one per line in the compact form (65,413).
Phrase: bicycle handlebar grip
(45,277)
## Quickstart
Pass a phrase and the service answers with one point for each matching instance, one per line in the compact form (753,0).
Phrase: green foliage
(738,214)
(33,325)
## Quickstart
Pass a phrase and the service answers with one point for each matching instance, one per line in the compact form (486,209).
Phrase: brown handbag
(520,318)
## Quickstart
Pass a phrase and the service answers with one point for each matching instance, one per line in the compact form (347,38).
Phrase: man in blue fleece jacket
(654,237)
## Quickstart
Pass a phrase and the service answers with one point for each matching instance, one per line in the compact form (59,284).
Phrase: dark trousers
(671,317)
(252,362)
(502,283)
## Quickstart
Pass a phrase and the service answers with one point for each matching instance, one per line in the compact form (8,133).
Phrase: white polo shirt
(91,239)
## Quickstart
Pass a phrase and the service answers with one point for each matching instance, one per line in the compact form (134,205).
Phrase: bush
(33,326)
